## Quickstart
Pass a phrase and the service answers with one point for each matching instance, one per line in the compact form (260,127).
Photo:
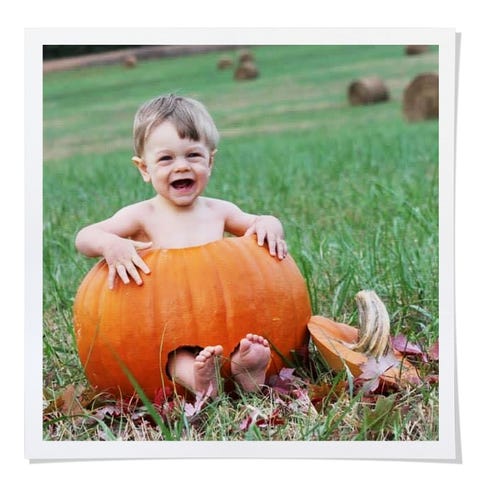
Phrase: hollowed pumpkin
(210,294)
(334,341)
(343,346)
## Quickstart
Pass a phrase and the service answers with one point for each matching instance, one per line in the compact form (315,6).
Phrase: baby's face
(178,168)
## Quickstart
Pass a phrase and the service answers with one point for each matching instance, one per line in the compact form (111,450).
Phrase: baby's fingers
(122,273)
(131,269)
(277,246)
(272,244)
(138,261)
(282,249)
(112,272)
(250,231)
(261,235)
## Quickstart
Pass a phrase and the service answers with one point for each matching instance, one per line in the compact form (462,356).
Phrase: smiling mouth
(182,184)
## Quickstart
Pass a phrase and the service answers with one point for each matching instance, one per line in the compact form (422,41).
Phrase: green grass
(356,189)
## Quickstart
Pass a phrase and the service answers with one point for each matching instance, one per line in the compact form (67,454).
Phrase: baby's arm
(109,238)
(267,228)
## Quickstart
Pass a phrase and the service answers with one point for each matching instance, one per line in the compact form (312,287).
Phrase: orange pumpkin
(210,294)
(334,341)
(343,346)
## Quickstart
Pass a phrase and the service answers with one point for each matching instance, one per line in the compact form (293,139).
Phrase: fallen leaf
(373,369)
(247,422)
(433,351)
(270,420)
(70,404)
(402,345)
(162,395)
(302,402)
(200,400)
(112,410)
(283,382)
(318,393)
(261,420)
(376,419)
(432,379)
(286,373)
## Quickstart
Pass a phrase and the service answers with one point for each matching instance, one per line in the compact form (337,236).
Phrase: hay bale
(246,70)
(224,63)
(420,98)
(414,50)
(245,56)
(130,61)
(367,90)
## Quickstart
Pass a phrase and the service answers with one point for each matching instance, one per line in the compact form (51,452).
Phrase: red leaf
(373,369)
(284,381)
(200,400)
(433,351)
(271,420)
(402,345)
(432,379)
(262,421)
(162,395)
(245,423)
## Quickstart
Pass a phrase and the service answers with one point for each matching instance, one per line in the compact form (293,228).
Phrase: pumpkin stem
(374,331)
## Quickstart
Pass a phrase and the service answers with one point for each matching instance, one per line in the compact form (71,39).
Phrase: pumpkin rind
(333,341)
(199,296)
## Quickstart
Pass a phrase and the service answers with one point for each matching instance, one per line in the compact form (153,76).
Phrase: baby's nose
(181,164)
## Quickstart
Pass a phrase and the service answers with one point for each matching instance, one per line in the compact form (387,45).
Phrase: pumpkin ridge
(157,312)
(153,310)
(222,313)
(250,264)
(258,271)
(87,338)
(260,279)
(296,299)
(151,318)
(166,266)
(92,289)
(228,301)
(190,298)
(270,267)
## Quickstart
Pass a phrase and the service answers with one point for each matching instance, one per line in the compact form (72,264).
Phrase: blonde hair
(189,116)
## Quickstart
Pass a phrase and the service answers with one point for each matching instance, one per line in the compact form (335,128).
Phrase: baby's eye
(194,155)
(165,158)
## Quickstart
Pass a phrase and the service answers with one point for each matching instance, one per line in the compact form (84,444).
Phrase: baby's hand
(270,229)
(122,259)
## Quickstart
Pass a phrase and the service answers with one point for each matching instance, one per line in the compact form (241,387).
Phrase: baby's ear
(142,167)
(212,158)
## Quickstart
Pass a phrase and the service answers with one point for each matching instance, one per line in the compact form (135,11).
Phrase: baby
(175,141)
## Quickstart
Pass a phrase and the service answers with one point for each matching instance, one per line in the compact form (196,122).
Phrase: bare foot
(204,371)
(250,362)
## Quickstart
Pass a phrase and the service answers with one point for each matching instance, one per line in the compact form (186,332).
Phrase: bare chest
(183,229)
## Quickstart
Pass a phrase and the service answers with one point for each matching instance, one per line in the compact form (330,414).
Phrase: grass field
(355,187)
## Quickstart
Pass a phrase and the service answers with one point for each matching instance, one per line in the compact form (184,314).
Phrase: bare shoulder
(236,220)
(128,220)
(220,205)
(136,210)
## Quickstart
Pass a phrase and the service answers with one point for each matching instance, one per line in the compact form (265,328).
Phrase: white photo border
(445,449)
